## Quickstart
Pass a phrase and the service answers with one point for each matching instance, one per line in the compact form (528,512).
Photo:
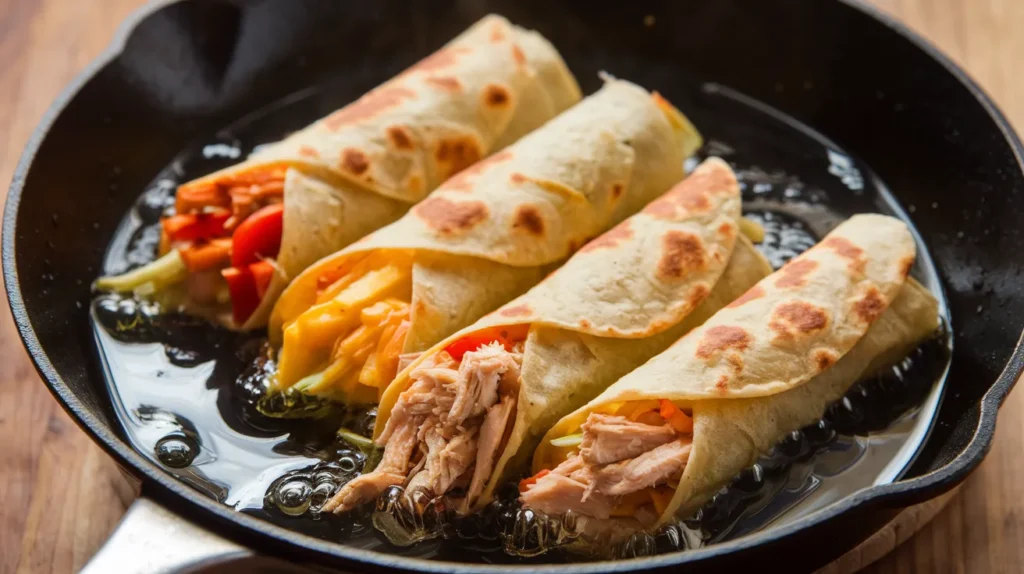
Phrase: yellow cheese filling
(346,346)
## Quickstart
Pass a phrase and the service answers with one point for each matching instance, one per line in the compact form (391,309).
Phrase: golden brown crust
(793,275)
(448,217)
(529,219)
(722,338)
(755,292)
(368,106)
(797,319)
(681,255)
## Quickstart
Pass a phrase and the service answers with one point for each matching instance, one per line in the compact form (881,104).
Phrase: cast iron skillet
(181,70)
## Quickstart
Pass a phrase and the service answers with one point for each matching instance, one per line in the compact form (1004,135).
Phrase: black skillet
(181,70)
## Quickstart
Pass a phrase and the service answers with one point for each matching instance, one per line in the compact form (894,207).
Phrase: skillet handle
(152,539)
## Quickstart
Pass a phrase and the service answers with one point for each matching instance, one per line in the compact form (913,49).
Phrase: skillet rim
(245,528)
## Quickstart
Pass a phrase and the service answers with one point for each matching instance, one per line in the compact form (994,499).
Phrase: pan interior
(182,389)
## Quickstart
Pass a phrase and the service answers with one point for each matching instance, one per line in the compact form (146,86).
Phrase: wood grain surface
(60,495)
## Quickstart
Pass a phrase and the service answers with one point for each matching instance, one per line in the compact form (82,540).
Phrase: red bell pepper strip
(262,273)
(476,340)
(244,298)
(259,236)
(247,286)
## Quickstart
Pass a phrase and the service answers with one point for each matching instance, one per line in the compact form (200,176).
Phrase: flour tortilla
(623,298)
(775,380)
(363,166)
(494,230)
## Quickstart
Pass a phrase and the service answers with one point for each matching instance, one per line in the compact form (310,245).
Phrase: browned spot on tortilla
(797,318)
(445,83)
(517,178)
(869,307)
(456,154)
(720,338)
(306,151)
(518,55)
(697,295)
(522,310)
(681,254)
(617,190)
(400,138)
(726,229)
(528,217)
(611,238)
(584,324)
(415,184)
(755,292)
(794,274)
(354,161)
(843,247)
(462,181)
(735,361)
(497,32)
(655,326)
(496,96)
(824,358)
(439,60)
(906,265)
(691,196)
(847,250)
(449,217)
(722,384)
(368,106)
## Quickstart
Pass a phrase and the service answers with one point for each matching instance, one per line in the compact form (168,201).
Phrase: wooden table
(60,495)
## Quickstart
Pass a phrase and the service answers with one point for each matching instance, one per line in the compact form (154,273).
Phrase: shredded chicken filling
(446,428)
(625,466)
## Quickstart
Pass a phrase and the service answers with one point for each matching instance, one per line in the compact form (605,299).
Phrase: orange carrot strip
(212,255)
(675,417)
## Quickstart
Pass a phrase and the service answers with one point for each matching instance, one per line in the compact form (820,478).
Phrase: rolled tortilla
(620,300)
(483,238)
(366,164)
(774,359)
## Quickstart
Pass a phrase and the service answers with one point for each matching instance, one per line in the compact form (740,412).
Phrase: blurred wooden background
(60,495)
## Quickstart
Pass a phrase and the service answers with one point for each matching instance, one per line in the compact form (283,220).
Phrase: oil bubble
(293,497)
(176,450)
